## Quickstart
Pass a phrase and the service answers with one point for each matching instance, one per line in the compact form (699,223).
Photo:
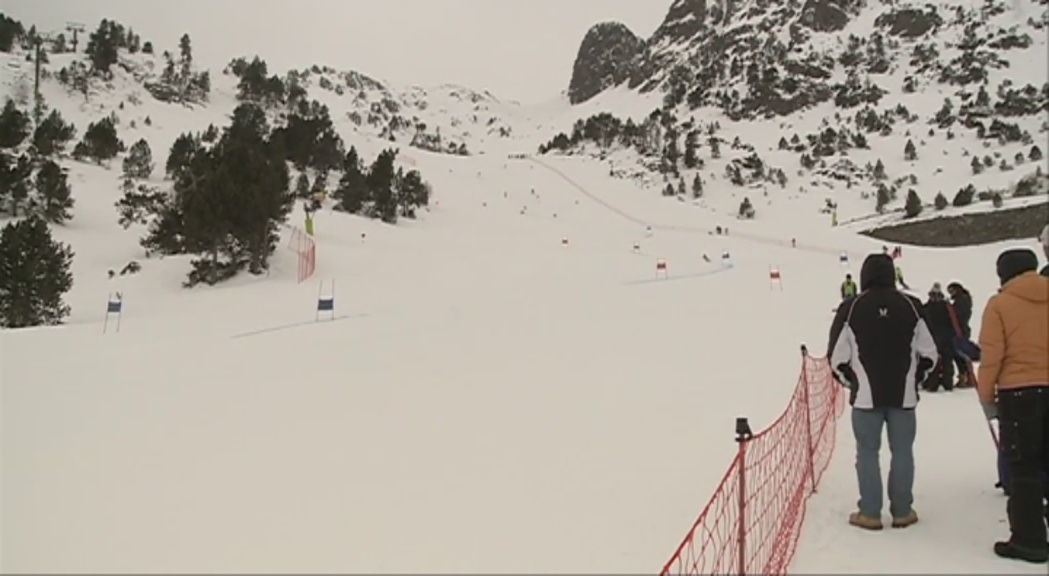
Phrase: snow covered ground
(487,400)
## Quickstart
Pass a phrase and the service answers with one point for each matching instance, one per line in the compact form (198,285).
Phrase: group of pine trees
(31,181)
(230,190)
(227,201)
(179,82)
(312,145)
(34,191)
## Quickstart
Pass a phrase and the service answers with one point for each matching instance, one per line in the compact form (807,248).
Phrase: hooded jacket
(963,306)
(1014,336)
(880,345)
(938,318)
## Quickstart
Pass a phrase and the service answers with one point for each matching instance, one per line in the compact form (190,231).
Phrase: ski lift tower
(75,28)
(38,41)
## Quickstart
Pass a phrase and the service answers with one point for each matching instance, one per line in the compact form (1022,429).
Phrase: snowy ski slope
(488,399)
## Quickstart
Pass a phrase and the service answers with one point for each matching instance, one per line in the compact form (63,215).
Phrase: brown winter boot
(859,520)
(908,520)
(963,381)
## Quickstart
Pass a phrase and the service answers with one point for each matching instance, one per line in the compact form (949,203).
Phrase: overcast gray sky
(517,49)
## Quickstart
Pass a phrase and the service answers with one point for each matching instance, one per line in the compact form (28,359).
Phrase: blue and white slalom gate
(114,306)
(326,302)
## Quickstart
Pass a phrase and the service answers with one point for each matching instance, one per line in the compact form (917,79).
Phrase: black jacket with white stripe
(880,344)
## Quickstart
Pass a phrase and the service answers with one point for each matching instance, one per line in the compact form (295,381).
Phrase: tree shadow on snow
(681,277)
(283,327)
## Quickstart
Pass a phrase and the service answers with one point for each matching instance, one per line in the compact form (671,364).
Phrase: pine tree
(910,153)
(185,57)
(913,205)
(940,201)
(964,197)
(34,275)
(883,198)
(691,148)
(100,142)
(352,191)
(15,182)
(671,153)
(136,205)
(11,32)
(52,135)
(697,186)
(681,188)
(879,170)
(138,164)
(14,125)
(182,151)
(746,209)
(233,215)
(412,193)
(52,185)
(976,165)
(102,47)
(380,180)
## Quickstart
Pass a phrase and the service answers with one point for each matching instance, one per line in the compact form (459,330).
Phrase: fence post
(743,436)
(806,404)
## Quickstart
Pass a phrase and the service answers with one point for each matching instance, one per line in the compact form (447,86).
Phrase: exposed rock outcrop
(607,57)
(968,229)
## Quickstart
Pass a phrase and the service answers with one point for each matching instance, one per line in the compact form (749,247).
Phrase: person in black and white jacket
(882,351)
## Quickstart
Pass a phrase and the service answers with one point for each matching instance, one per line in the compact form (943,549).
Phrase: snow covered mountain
(851,103)
(531,371)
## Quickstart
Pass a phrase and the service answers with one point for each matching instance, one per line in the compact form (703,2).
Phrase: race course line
(284,327)
(757,238)
(702,274)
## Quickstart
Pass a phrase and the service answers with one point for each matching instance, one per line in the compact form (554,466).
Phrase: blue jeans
(866,427)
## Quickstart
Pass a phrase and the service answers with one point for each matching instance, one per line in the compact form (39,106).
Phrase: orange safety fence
(753,522)
(306,249)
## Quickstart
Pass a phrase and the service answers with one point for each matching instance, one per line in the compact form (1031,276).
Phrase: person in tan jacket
(1013,386)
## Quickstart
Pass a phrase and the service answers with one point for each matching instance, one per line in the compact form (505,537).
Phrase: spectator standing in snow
(963,310)
(881,350)
(1014,366)
(848,287)
(938,318)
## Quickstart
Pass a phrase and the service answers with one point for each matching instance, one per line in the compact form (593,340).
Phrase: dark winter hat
(1014,262)
(878,271)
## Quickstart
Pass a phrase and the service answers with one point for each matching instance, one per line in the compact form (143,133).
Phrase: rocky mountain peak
(606,58)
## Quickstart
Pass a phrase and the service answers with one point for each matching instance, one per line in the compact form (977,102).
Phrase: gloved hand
(990,410)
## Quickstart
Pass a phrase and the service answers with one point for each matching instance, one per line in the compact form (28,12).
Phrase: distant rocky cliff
(606,58)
